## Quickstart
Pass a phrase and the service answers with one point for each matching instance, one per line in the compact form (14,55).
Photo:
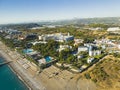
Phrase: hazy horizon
(14,11)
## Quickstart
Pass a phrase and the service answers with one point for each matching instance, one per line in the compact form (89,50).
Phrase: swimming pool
(48,58)
(27,51)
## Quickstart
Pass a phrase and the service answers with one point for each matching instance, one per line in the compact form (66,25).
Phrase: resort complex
(61,52)
(59,45)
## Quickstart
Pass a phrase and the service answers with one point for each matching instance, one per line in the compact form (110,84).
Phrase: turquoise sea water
(8,80)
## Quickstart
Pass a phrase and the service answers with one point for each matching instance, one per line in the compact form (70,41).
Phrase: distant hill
(21,26)
(105,20)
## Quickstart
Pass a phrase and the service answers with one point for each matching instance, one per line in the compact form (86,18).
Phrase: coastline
(22,74)
(43,80)
(20,77)
(46,80)
(16,73)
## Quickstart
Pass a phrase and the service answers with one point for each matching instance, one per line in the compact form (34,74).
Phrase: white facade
(90,60)
(42,61)
(98,28)
(40,37)
(82,49)
(113,29)
(34,43)
(90,53)
(80,56)
(103,41)
(94,53)
(119,46)
(58,37)
(62,47)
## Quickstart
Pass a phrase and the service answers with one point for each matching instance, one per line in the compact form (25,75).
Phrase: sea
(9,80)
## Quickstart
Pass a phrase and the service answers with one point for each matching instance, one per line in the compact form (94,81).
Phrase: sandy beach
(47,79)
(28,79)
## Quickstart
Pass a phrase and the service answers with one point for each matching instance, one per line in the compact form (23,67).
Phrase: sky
(18,11)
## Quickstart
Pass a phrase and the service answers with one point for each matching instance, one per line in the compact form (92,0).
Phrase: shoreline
(16,73)
(18,70)
(20,78)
